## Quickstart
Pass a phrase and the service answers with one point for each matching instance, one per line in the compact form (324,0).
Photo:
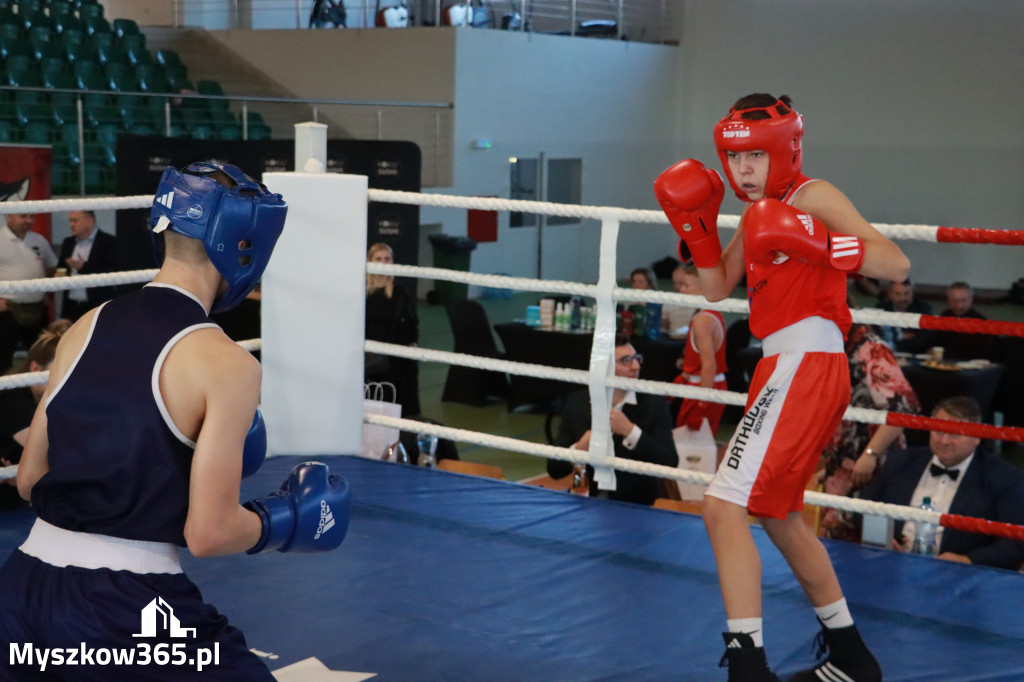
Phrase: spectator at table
(902,299)
(391,318)
(854,454)
(960,479)
(963,345)
(643,278)
(675,319)
(641,430)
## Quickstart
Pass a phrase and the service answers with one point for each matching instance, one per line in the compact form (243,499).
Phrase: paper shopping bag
(697,452)
(378,440)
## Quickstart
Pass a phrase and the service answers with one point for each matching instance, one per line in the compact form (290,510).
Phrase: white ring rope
(76,204)
(38,378)
(580,376)
(76,281)
(916,232)
(895,511)
(927,233)
(729,305)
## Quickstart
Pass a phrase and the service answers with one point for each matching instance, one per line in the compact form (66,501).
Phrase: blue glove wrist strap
(278,517)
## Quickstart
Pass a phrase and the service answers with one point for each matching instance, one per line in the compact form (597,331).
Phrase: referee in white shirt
(24,254)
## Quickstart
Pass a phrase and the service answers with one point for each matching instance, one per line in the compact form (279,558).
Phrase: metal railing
(638,20)
(84,140)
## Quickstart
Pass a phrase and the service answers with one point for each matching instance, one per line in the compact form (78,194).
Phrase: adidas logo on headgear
(166,199)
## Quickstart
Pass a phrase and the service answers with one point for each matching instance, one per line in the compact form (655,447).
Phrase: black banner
(388,165)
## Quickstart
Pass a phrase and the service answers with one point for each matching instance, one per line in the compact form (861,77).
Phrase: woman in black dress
(391,318)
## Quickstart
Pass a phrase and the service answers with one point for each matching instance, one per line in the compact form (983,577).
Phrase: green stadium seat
(209,87)
(135,47)
(38,132)
(232,131)
(39,18)
(179,83)
(72,23)
(260,131)
(8,132)
(168,58)
(20,62)
(194,118)
(52,65)
(76,52)
(10,30)
(202,133)
(125,27)
(15,47)
(223,118)
(84,66)
(28,105)
(74,36)
(151,78)
(90,10)
(111,54)
(98,26)
(99,109)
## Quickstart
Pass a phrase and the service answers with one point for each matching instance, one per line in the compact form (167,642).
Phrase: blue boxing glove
(309,513)
(255,449)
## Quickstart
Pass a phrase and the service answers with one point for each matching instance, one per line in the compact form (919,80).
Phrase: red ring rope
(965,235)
(973,525)
(913,421)
(972,326)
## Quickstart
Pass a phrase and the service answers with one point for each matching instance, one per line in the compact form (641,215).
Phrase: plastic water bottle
(575,315)
(427,444)
(580,481)
(924,533)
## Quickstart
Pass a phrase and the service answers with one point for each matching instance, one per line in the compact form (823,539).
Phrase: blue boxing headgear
(237,224)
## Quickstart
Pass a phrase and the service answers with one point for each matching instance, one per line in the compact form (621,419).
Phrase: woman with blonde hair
(17,405)
(391,318)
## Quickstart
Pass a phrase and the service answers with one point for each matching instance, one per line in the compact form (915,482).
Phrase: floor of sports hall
(450,577)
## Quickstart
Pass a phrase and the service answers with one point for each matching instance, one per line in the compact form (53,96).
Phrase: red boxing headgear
(778,135)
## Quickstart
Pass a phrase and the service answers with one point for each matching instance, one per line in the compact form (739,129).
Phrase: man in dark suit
(641,430)
(901,299)
(960,480)
(88,251)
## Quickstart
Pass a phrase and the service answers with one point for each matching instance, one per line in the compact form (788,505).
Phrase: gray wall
(915,108)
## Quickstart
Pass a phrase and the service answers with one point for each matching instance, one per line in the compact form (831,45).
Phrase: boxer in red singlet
(796,243)
(703,358)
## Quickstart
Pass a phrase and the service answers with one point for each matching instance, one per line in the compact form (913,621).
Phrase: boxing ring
(450,577)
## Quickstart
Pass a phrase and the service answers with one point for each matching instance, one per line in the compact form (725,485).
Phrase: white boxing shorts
(797,397)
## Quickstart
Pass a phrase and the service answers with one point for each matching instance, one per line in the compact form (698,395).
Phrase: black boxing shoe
(848,658)
(746,662)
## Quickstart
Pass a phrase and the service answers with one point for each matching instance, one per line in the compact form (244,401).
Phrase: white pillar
(313,310)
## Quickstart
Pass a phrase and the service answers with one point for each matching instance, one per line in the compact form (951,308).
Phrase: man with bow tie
(960,479)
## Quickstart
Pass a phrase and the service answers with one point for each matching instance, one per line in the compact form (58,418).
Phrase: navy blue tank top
(118,465)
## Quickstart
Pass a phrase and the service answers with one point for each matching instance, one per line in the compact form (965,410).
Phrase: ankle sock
(834,615)
(748,626)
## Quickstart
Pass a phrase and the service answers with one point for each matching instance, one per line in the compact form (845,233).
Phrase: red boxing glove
(770,226)
(697,414)
(690,195)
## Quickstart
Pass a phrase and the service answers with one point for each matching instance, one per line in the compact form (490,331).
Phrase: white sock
(748,626)
(835,615)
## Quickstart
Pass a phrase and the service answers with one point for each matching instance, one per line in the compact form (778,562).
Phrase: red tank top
(691,356)
(785,293)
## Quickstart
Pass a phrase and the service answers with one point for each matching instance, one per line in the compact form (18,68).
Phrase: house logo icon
(158,616)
